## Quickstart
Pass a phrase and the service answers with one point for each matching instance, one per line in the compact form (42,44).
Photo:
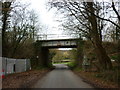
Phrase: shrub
(112,76)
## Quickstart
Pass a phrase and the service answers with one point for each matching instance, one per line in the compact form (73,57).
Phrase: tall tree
(19,25)
(103,58)
(23,26)
(90,23)
(6,8)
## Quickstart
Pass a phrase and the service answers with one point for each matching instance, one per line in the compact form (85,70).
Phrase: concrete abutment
(44,57)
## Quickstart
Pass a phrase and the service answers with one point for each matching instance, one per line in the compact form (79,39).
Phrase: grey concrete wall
(3,64)
(20,65)
(10,65)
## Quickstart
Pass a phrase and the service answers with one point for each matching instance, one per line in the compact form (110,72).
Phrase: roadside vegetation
(98,51)
(93,75)
(102,77)
(97,57)
(20,27)
(107,78)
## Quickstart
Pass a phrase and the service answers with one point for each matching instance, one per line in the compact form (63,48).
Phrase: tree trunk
(5,13)
(102,56)
(79,59)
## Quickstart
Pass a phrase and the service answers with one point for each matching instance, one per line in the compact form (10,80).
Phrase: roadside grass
(109,78)
(78,69)
(62,63)
(72,65)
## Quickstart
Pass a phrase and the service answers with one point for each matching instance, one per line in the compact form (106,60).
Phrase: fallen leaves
(22,80)
(95,81)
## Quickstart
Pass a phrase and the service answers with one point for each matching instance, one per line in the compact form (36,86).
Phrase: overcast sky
(46,17)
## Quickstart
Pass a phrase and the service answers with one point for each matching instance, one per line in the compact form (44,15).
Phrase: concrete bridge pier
(44,57)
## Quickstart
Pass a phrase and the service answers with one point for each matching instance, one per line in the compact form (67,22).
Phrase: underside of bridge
(43,53)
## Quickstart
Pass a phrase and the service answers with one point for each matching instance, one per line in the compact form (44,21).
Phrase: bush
(72,65)
(112,76)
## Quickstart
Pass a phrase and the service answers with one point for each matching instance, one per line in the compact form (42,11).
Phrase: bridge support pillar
(44,57)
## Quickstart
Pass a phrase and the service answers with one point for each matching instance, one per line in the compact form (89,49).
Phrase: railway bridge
(43,47)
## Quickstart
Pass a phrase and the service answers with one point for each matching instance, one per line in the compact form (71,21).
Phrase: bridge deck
(60,43)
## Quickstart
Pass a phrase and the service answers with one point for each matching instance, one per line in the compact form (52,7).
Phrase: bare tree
(90,21)
(22,26)
(6,8)
(103,58)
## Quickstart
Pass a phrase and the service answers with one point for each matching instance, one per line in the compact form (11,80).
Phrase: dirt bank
(24,79)
(89,77)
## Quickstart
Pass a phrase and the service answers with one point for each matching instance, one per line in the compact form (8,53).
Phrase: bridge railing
(59,43)
(56,36)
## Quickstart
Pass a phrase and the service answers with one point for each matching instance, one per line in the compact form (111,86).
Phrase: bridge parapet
(56,36)
(59,43)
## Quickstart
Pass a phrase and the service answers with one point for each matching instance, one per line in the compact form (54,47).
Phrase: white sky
(46,17)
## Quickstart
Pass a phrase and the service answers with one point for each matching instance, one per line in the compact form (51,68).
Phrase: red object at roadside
(3,74)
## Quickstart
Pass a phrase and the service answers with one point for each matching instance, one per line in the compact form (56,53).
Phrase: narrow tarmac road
(61,77)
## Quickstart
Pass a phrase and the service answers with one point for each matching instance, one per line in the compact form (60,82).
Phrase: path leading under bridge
(61,77)
(43,47)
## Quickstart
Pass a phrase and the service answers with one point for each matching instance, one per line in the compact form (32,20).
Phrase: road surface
(61,77)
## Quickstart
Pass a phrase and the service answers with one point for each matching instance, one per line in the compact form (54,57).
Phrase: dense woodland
(96,23)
